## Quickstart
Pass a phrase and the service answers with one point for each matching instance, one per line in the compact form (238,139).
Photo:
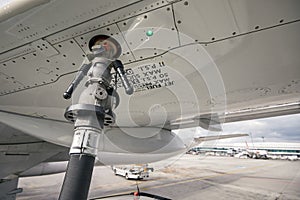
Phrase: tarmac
(187,177)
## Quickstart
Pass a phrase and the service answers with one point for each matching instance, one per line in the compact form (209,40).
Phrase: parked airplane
(142,68)
(256,153)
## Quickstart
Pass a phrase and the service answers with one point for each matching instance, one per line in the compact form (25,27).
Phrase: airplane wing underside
(20,152)
(185,59)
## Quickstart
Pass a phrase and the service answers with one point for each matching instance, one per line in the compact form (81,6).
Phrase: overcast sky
(275,129)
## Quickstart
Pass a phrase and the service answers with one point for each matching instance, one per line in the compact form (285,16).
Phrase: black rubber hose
(78,177)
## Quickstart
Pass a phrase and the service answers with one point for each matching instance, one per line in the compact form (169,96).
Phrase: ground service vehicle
(135,172)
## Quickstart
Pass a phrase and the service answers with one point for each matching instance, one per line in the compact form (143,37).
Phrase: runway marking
(184,181)
(205,177)
(132,182)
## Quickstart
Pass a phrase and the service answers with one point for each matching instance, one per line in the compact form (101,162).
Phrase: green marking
(149,33)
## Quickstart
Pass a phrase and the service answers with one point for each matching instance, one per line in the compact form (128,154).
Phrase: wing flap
(213,122)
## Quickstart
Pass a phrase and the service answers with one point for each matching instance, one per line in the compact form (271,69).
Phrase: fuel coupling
(94,108)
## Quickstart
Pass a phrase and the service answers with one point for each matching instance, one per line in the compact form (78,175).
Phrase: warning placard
(147,77)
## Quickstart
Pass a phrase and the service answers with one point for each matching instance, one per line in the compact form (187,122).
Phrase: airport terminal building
(272,148)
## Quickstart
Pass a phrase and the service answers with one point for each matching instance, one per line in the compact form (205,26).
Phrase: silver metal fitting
(94,108)
(85,141)
(100,93)
(98,49)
